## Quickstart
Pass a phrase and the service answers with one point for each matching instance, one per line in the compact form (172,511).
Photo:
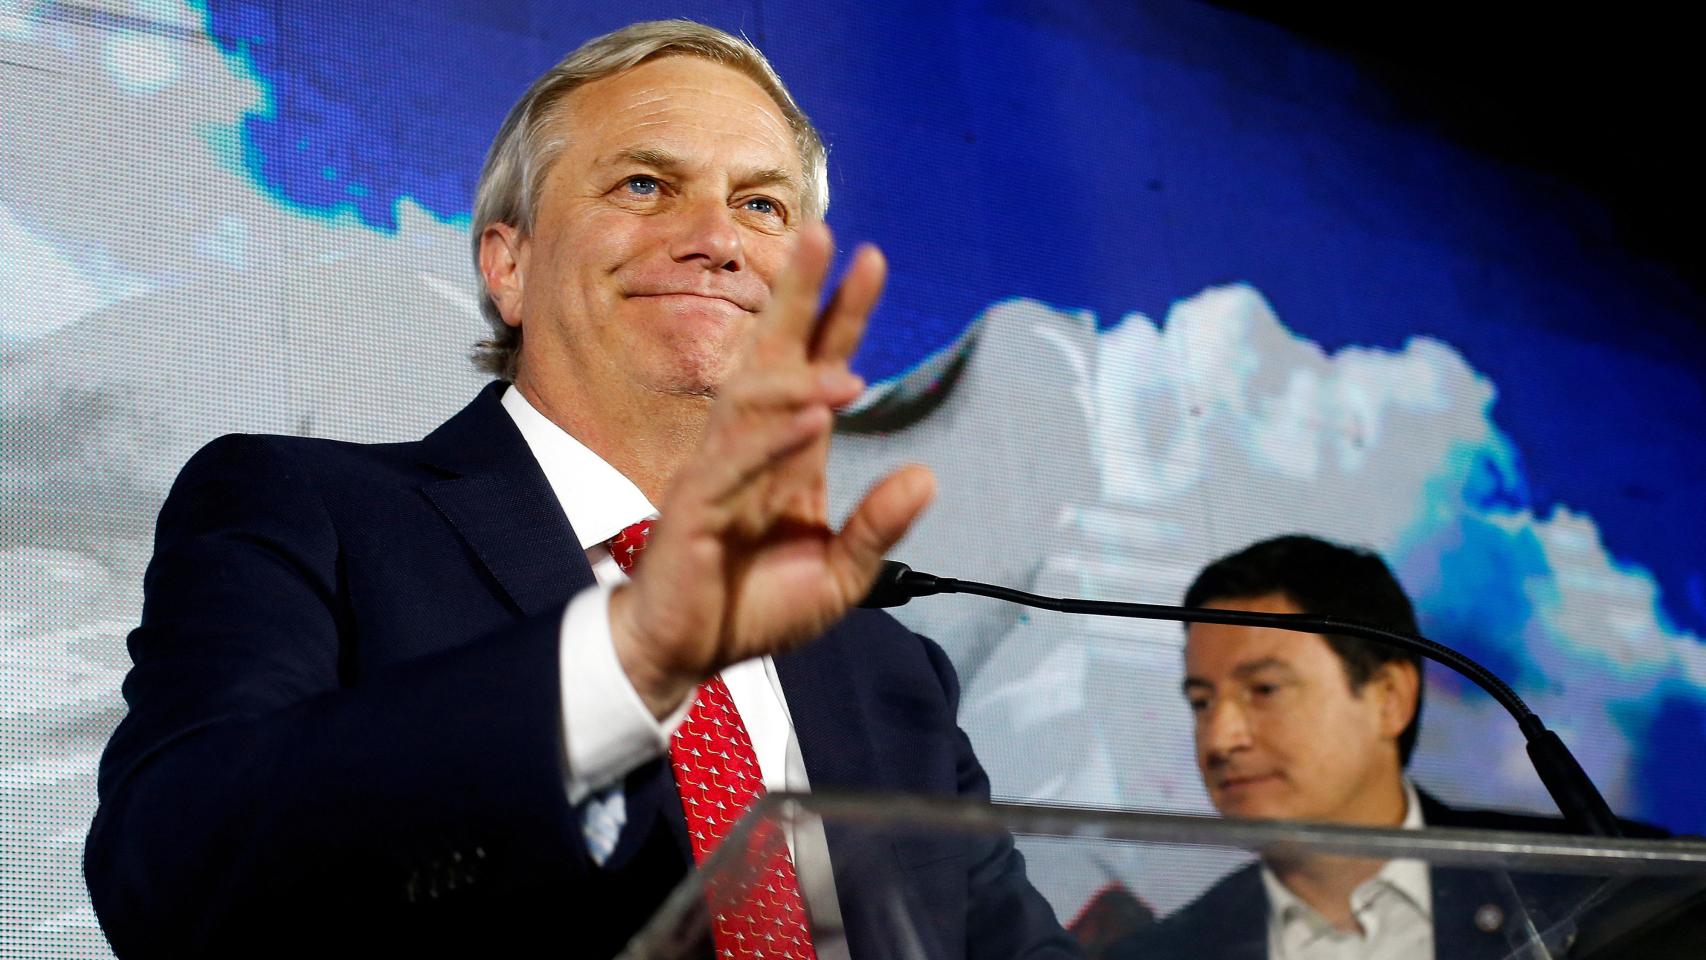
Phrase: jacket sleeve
(249,789)
(1006,916)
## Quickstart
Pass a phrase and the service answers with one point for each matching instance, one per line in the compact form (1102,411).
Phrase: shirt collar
(597,499)
(1410,877)
(1406,877)
(1412,807)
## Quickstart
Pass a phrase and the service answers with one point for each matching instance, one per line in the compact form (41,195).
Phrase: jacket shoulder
(239,450)
(250,464)
(1439,814)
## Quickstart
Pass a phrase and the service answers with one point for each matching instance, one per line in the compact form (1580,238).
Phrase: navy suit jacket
(344,732)
(1476,913)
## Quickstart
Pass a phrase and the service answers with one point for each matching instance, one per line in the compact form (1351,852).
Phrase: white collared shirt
(1394,908)
(607,728)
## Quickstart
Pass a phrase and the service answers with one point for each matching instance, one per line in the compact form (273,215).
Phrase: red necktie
(717,774)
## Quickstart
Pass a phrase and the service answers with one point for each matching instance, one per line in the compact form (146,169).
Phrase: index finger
(842,325)
(793,304)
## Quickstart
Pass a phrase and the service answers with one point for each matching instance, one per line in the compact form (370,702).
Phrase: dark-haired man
(1309,727)
(1263,698)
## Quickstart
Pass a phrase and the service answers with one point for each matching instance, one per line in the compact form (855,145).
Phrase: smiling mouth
(700,297)
(1237,783)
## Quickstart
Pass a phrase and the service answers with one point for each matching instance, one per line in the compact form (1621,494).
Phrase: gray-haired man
(409,698)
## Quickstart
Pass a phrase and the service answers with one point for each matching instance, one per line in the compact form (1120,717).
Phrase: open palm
(744,562)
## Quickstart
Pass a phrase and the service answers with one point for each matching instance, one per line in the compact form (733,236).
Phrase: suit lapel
(1228,922)
(1470,914)
(834,738)
(828,711)
(1481,912)
(499,502)
(1243,921)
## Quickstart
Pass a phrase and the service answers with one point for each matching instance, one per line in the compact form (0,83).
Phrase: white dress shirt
(607,728)
(1394,908)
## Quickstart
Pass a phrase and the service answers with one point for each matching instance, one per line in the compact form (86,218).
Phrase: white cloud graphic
(41,290)
(1205,433)
(151,298)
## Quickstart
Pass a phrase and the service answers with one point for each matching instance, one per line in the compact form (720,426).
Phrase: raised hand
(743,562)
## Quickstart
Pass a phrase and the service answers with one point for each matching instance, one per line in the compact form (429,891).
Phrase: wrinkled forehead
(682,105)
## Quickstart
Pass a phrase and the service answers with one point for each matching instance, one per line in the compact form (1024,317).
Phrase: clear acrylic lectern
(1112,878)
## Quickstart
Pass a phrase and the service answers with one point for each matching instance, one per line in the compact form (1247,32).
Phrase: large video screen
(1166,281)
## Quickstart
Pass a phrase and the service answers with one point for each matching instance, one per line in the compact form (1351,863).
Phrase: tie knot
(627,546)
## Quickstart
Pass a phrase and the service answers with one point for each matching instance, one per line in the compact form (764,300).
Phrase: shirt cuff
(607,729)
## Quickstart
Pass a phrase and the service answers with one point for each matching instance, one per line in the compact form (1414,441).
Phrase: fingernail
(842,381)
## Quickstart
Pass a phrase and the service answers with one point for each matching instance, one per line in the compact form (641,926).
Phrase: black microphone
(1584,809)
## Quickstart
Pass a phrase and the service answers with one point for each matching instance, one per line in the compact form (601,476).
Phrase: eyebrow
(664,160)
(644,156)
(1242,671)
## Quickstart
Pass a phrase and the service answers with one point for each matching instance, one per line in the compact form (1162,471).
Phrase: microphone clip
(897,583)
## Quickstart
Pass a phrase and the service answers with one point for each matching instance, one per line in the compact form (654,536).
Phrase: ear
(503,263)
(1399,683)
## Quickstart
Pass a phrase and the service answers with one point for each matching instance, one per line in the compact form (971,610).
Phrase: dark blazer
(1477,913)
(344,731)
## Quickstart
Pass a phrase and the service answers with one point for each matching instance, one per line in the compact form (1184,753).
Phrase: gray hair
(532,136)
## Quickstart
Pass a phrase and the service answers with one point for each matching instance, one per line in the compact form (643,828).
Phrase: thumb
(877,524)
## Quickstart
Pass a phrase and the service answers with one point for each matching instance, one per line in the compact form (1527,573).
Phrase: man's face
(1280,734)
(661,228)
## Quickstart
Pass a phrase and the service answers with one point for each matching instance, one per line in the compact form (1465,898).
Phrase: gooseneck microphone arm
(1580,802)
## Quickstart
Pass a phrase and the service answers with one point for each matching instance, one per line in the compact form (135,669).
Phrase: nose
(1222,730)
(707,235)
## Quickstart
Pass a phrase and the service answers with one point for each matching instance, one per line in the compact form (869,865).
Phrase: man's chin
(690,382)
(681,367)
(691,370)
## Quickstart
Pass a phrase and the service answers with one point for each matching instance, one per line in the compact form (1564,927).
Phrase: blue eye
(642,186)
(763,205)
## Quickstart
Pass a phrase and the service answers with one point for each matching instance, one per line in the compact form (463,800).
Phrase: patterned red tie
(717,773)
(625,547)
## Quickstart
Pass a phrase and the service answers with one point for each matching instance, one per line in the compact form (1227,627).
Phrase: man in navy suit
(1303,727)
(416,698)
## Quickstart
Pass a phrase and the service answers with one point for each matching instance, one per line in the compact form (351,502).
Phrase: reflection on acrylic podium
(1493,894)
